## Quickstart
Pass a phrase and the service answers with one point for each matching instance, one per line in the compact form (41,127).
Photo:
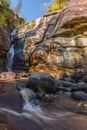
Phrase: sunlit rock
(57,43)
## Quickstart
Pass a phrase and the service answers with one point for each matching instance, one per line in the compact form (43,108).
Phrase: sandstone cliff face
(59,40)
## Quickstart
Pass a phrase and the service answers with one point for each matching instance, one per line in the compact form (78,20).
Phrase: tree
(5,3)
(18,7)
(57,4)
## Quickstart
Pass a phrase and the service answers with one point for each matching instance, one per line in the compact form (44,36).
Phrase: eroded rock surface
(57,43)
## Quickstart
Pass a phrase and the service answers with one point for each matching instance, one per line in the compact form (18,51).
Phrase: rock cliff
(57,43)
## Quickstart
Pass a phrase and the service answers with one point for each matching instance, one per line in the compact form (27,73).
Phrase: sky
(31,9)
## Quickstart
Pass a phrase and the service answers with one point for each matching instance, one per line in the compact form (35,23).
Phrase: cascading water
(37,23)
(10,57)
(36,112)
(28,96)
(10,54)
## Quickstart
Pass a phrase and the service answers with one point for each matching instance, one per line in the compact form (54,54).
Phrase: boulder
(42,82)
(78,76)
(64,85)
(10,97)
(19,85)
(84,79)
(80,86)
(79,95)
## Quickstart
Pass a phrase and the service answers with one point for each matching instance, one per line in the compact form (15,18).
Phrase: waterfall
(10,57)
(29,96)
(35,110)
(10,54)
(37,22)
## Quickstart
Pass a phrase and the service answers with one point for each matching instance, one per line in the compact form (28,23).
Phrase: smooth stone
(80,86)
(79,95)
(85,79)
(42,82)
(64,85)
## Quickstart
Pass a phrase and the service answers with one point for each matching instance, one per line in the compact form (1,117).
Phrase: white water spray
(33,111)
(37,22)
(10,57)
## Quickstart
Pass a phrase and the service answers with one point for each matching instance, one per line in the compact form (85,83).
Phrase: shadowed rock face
(5,41)
(58,42)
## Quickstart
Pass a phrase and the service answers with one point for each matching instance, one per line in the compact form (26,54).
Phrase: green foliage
(57,4)
(23,21)
(5,3)
(8,17)
(3,15)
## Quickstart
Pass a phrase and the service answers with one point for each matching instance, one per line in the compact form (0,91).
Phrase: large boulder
(42,82)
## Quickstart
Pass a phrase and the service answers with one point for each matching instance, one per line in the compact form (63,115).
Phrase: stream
(60,112)
(63,113)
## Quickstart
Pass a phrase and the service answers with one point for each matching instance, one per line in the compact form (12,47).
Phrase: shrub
(57,4)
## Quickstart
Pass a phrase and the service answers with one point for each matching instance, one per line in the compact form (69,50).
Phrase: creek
(64,114)
(60,113)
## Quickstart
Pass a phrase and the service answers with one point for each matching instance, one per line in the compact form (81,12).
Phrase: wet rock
(35,102)
(63,75)
(80,86)
(64,85)
(49,97)
(42,82)
(6,87)
(4,126)
(19,59)
(12,101)
(84,79)
(40,96)
(69,79)
(10,97)
(77,76)
(12,120)
(79,95)
(19,85)
(22,75)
